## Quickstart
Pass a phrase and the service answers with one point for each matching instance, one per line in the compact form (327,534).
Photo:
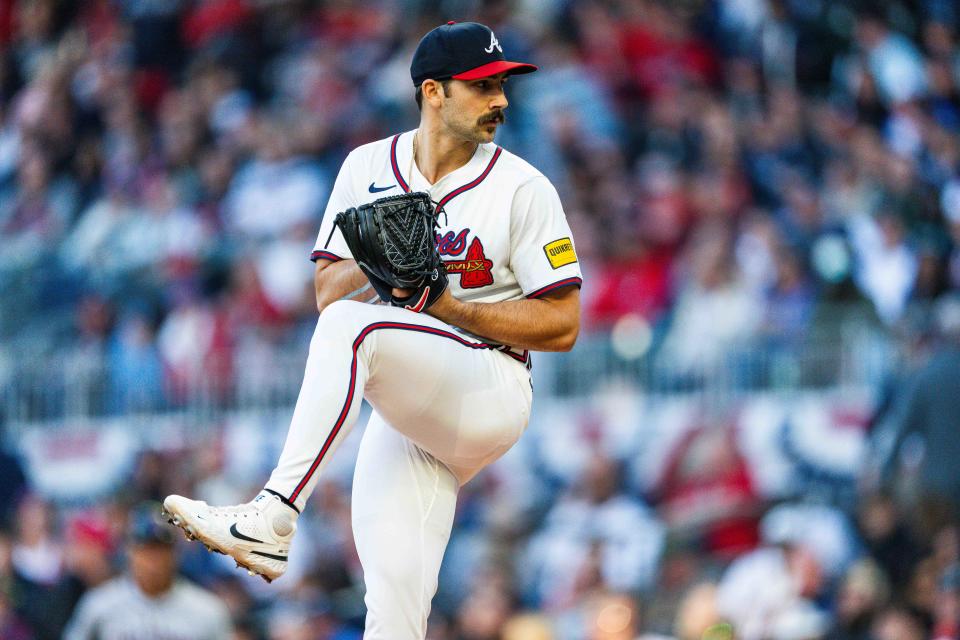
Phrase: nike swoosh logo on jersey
(239,536)
(375,189)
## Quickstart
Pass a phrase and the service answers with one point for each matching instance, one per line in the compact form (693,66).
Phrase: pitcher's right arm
(340,279)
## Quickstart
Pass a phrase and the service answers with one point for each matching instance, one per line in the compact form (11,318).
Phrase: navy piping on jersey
(351,388)
(324,255)
(559,284)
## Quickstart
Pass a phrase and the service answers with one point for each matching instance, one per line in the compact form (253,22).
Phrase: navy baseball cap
(147,527)
(461,51)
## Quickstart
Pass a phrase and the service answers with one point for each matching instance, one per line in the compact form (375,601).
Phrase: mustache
(496,116)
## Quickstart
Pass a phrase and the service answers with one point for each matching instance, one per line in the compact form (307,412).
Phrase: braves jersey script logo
(475,268)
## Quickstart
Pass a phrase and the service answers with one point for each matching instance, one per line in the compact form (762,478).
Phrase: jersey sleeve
(542,253)
(341,198)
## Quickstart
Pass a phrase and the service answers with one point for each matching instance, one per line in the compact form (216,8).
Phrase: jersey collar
(468,176)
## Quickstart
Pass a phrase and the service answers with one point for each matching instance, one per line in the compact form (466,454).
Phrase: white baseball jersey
(503,233)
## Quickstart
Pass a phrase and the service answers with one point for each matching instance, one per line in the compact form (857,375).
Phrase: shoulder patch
(560,252)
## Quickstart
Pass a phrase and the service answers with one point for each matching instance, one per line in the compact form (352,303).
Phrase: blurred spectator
(37,563)
(88,555)
(35,212)
(715,312)
(821,530)
(149,479)
(150,601)
(888,266)
(771,592)
(891,58)
(277,180)
(897,624)
(863,593)
(134,366)
(97,248)
(635,279)
(697,613)
(788,302)
(947,608)
(36,552)
(887,538)
(193,342)
(595,536)
(87,562)
(484,612)
(800,217)
(11,626)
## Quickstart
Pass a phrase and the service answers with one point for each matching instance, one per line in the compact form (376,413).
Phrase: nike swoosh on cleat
(269,555)
(375,189)
(239,536)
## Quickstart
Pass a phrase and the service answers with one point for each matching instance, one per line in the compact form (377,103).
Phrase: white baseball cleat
(256,534)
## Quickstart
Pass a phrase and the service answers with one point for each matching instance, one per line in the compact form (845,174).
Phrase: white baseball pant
(445,407)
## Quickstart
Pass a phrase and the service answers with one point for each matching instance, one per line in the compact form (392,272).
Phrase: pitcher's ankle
(283,499)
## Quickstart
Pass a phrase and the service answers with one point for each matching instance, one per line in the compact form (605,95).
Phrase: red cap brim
(495,68)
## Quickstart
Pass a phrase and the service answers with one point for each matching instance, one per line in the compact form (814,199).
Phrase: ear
(432,93)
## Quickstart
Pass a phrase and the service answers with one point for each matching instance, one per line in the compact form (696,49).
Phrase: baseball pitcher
(468,252)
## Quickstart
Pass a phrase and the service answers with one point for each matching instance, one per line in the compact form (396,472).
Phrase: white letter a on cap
(493,43)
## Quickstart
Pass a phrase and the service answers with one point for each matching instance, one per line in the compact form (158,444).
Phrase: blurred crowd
(603,540)
(734,171)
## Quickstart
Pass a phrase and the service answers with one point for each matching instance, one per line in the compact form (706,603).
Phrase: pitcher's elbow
(568,340)
(323,300)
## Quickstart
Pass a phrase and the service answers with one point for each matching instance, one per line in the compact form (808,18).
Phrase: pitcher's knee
(343,317)
(341,310)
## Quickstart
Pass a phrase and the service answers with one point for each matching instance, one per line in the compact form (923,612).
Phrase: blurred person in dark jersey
(927,407)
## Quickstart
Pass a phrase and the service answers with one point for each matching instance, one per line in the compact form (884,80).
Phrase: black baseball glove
(394,243)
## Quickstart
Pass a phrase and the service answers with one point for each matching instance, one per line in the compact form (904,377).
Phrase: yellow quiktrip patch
(560,252)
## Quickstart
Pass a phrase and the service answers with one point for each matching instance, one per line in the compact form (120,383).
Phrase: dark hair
(418,96)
